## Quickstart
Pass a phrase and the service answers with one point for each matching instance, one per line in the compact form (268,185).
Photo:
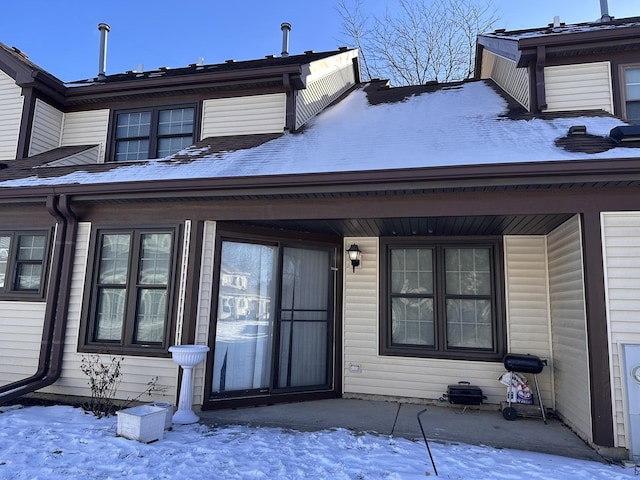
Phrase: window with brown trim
(131,290)
(23,257)
(152,132)
(631,93)
(441,299)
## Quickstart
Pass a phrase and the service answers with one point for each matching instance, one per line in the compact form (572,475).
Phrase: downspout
(290,108)
(541,60)
(55,318)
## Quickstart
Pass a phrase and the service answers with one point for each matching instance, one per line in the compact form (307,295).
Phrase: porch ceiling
(418,226)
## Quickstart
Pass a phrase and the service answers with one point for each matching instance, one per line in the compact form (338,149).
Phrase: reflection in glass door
(272,299)
(244,327)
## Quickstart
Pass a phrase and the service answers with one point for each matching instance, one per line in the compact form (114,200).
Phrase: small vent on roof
(231,60)
(269,56)
(577,130)
(625,133)
(20,52)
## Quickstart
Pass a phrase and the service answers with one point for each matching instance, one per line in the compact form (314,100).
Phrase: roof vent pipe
(286,28)
(604,11)
(102,66)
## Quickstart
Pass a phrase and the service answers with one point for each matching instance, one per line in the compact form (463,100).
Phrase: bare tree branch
(420,41)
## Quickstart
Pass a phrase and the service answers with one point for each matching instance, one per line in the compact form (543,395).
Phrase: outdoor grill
(523,364)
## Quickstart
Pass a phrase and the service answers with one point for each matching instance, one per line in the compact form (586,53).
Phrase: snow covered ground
(62,442)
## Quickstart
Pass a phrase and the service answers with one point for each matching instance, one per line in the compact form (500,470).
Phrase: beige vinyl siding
(569,327)
(324,87)
(391,376)
(86,128)
(137,371)
(621,247)
(243,115)
(527,293)
(20,337)
(11,103)
(584,86)
(88,156)
(513,80)
(46,129)
(203,314)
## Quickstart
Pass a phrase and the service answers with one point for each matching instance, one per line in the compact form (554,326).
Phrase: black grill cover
(523,363)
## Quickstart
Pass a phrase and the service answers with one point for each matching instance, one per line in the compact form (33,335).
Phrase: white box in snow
(144,423)
(168,408)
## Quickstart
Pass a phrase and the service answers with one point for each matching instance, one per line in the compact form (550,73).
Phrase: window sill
(469,356)
(105,349)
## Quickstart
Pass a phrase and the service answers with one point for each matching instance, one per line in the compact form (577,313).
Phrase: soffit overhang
(574,174)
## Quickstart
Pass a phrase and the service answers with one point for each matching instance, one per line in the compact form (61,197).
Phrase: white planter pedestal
(187,356)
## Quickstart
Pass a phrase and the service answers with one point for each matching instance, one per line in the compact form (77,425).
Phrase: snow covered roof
(562,29)
(376,129)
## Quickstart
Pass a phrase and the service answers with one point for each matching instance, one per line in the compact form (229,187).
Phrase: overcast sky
(62,37)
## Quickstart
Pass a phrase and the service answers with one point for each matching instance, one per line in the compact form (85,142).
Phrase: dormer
(586,66)
(148,114)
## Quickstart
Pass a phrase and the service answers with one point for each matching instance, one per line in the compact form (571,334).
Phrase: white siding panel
(569,327)
(11,103)
(86,157)
(137,371)
(20,337)
(513,80)
(620,232)
(321,92)
(579,87)
(243,115)
(86,128)
(399,377)
(527,293)
(203,314)
(46,129)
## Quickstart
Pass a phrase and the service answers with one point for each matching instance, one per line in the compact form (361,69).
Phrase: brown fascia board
(505,47)
(478,176)
(174,83)
(27,74)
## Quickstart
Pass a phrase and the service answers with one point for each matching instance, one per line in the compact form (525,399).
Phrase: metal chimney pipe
(604,11)
(286,28)
(102,66)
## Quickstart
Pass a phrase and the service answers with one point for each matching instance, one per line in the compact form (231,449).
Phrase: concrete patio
(475,426)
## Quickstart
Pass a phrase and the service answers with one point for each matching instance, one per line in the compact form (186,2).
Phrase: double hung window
(132,284)
(441,299)
(152,133)
(632,93)
(23,262)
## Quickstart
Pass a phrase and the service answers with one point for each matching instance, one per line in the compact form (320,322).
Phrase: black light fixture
(354,255)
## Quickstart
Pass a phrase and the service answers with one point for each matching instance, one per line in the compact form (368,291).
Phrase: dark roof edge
(465,176)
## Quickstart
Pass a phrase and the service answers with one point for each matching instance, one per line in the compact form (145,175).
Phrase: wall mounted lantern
(354,255)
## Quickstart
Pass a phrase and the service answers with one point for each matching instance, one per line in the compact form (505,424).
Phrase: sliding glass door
(274,320)
(244,327)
